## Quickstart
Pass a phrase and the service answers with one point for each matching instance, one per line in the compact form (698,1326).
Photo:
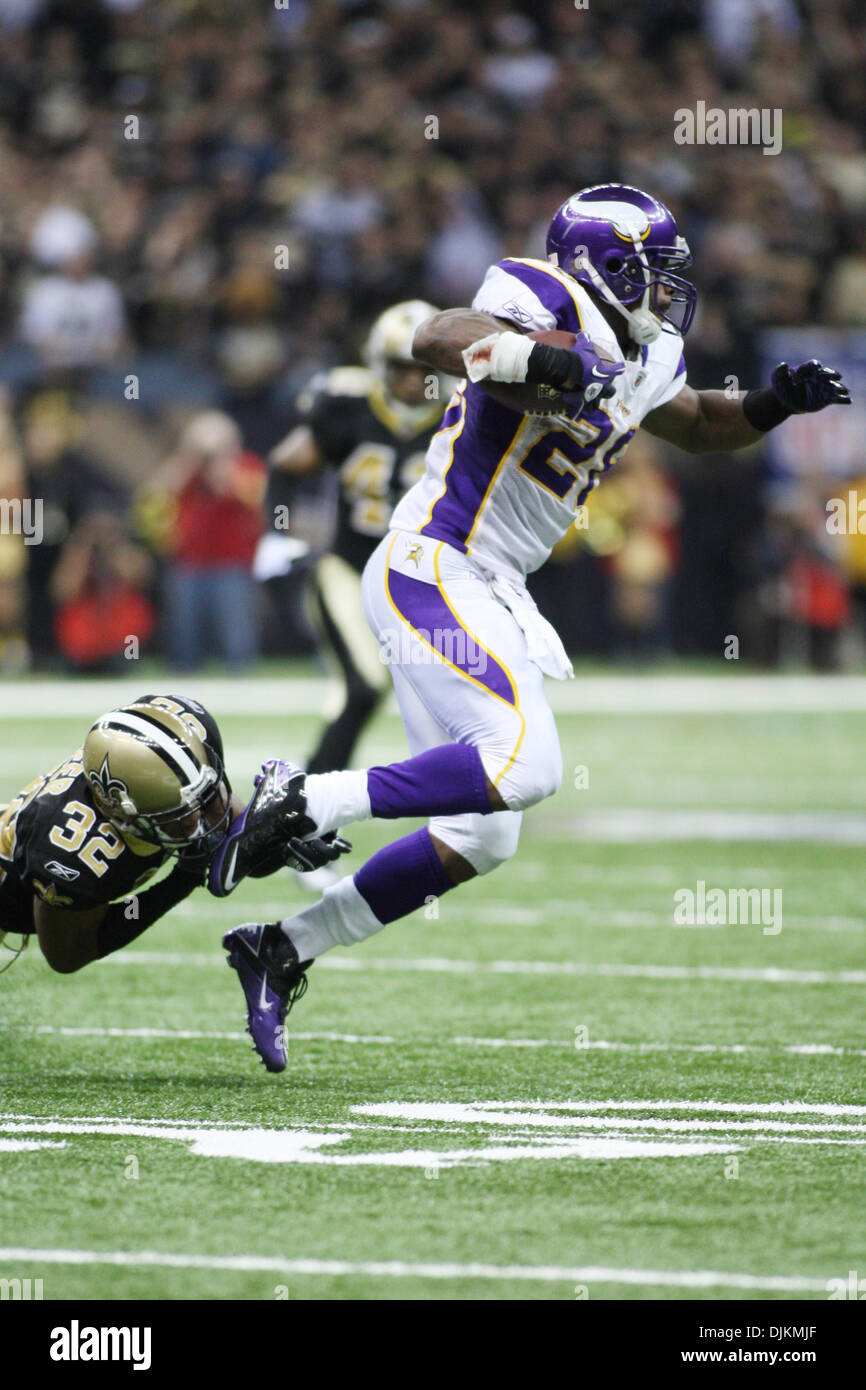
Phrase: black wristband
(117,930)
(763,409)
(553,366)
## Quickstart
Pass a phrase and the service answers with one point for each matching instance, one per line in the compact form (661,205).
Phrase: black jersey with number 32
(55,845)
(377,450)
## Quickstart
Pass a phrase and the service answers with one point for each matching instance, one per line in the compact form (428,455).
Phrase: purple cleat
(272,830)
(273,979)
(257,840)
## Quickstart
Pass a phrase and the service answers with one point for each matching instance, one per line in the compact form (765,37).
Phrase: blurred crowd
(202,204)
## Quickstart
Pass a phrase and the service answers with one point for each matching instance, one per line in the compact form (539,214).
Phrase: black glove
(795,391)
(577,367)
(809,387)
(302,855)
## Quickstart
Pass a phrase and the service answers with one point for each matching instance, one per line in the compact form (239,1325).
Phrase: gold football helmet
(154,775)
(402,383)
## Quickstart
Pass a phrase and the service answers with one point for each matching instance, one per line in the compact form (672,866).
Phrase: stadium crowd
(201,204)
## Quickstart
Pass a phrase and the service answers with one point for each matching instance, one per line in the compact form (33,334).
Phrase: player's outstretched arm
(706,422)
(72,938)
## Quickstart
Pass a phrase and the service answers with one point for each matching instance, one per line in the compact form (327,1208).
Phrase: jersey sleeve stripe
(552,291)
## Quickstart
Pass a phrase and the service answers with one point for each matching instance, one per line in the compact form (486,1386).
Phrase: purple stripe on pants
(423,606)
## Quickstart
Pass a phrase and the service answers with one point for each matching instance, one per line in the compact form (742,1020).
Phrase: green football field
(555,1088)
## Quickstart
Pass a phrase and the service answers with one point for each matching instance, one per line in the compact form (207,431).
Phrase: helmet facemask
(198,822)
(630,282)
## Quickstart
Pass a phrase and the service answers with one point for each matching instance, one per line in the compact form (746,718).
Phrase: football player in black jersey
(372,424)
(78,843)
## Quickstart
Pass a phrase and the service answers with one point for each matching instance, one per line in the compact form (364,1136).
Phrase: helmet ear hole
(615,264)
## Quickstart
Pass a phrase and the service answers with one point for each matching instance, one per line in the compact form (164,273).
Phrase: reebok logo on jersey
(62,870)
(515,311)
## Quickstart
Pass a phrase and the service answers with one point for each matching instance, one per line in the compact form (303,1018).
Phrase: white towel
(543,643)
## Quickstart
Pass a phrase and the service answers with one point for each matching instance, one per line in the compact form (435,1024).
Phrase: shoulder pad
(339,381)
(349,381)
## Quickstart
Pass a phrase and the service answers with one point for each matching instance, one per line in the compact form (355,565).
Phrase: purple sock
(402,876)
(443,781)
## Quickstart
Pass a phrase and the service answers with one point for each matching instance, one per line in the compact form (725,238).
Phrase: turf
(437,1010)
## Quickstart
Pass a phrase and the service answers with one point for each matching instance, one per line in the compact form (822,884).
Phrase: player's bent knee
(533,776)
(484,842)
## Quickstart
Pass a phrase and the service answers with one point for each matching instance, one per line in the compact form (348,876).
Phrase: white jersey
(504,488)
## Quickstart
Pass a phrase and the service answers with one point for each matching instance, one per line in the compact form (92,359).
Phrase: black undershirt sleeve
(117,929)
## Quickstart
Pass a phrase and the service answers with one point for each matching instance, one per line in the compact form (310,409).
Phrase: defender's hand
(305,855)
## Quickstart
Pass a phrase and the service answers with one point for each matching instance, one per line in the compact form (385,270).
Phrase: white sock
(336,798)
(342,917)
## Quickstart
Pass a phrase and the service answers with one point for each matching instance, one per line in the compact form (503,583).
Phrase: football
(532,398)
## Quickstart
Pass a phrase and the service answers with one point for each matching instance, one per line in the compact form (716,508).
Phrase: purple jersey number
(542,461)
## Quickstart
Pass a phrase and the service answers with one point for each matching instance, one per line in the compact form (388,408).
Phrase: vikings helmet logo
(416,554)
(111,789)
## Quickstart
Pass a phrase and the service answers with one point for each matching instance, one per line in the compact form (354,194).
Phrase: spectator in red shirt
(215,490)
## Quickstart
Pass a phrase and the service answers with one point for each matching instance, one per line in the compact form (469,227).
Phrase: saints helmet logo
(112,790)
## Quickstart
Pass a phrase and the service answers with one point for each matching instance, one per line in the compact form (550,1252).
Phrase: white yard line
(404,1269)
(574,910)
(769,1107)
(627,693)
(602,1045)
(595,1044)
(624,825)
(456,1112)
(183,1034)
(438,965)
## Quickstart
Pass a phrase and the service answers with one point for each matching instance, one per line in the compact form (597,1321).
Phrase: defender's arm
(72,938)
(67,938)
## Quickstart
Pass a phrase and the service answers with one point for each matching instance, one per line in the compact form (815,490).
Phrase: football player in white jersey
(564,359)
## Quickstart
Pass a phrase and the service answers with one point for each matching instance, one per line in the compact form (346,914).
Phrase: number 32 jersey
(504,487)
(55,845)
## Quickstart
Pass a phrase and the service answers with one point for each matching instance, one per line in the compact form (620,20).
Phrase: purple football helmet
(625,244)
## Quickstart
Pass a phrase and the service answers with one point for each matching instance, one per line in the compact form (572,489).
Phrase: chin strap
(644,325)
